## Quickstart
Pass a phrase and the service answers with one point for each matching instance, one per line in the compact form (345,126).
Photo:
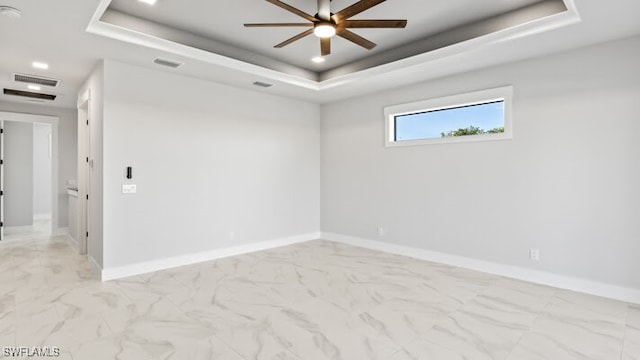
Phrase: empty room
(320,180)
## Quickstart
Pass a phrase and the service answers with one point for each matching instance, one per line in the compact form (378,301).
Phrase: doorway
(28,176)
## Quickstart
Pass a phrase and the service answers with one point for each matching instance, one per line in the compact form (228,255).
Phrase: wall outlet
(232,235)
(380,232)
(534,255)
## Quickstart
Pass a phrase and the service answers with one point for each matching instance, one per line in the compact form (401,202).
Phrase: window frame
(504,93)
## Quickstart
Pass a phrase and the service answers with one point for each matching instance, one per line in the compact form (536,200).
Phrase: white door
(1,180)
(88,168)
(84,178)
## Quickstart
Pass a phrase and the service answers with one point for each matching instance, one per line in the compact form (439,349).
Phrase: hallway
(41,230)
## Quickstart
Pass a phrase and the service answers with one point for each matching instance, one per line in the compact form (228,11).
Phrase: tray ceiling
(74,36)
(217,27)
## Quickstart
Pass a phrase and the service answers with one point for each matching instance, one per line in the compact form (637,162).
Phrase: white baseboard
(94,265)
(535,276)
(41,217)
(62,231)
(10,230)
(168,263)
(72,242)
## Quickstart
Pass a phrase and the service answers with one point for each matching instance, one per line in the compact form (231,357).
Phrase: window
(478,116)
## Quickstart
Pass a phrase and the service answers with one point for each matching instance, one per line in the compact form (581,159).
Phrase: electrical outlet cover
(534,254)
(129,188)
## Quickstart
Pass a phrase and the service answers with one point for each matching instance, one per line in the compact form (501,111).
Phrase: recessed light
(40,65)
(149,2)
(318,59)
(34,87)
(11,12)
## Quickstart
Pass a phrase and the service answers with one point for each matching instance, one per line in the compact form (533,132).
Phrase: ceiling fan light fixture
(325,24)
(324,30)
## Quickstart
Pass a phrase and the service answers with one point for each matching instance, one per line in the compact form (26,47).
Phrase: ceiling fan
(326,24)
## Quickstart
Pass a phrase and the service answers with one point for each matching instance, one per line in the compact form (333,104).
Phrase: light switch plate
(129,188)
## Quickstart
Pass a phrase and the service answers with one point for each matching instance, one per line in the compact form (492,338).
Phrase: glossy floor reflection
(312,301)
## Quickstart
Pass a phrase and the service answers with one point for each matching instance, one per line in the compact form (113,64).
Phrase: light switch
(129,188)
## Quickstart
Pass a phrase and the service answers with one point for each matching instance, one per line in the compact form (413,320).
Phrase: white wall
(42,167)
(18,174)
(207,160)
(567,183)
(67,146)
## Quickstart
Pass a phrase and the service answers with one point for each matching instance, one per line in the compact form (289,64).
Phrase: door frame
(53,121)
(1,179)
(84,171)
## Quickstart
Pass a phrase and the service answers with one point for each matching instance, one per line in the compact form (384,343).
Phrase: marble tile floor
(41,228)
(312,301)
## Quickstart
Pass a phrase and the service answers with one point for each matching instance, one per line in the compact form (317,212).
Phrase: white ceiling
(67,35)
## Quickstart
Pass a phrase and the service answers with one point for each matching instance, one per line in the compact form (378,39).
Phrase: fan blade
(374,23)
(355,38)
(293,10)
(324,10)
(295,38)
(325,46)
(280,25)
(355,9)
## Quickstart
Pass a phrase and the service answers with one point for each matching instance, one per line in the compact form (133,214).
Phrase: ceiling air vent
(167,63)
(29,94)
(32,79)
(262,84)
